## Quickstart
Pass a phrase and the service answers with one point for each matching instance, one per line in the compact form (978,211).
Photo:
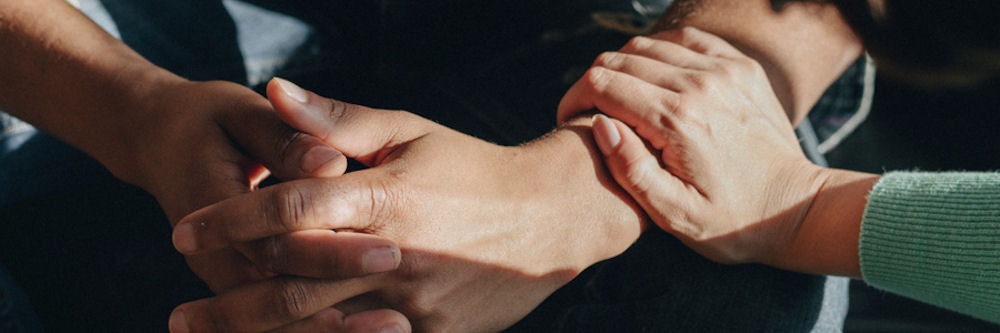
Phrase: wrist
(577,190)
(826,238)
(129,114)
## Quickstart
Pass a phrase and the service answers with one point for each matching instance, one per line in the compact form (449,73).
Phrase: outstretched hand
(722,170)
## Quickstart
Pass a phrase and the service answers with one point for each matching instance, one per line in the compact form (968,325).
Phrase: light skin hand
(486,232)
(803,48)
(723,171)
(698,100)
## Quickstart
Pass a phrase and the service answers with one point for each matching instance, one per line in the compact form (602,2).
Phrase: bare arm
(68,77)
(523,220)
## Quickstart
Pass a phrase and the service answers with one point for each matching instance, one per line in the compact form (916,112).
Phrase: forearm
(803,48)
(68,77)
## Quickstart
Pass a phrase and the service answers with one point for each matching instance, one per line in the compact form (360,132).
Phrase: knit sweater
(935,237)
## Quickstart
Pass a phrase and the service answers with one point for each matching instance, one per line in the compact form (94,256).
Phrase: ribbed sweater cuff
(935,237)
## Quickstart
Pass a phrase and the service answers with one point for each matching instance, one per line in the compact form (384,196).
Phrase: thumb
(360,132)
(638,171)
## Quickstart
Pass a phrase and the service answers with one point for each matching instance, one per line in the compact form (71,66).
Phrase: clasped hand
(486,232)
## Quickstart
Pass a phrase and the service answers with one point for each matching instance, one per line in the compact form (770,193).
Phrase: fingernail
(316,157)
(605,133)
(183,238)
(178,322)
(391,329)
(292,90)
(382,259)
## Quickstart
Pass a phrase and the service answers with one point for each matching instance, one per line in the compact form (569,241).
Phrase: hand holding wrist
(478,224)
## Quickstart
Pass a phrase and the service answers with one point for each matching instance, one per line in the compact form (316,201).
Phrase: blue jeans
(93,254)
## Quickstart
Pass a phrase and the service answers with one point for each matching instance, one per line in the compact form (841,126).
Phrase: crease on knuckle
(597,80)
(700,81)
(290,202)
(291,300)
(339,110)
(419,305)
(636,175)
(381,200)
(677,107)
(729,71)
(609,59)
(638,43)
(285,143)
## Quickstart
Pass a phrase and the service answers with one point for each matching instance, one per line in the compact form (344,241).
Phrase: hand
(486,232)
(723,170)
(196,143)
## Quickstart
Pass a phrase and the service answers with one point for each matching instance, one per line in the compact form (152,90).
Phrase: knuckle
(596,80)
(688,34)
(609,59)
(753,66)
(639,43)
(291,301)
(637,177)
(290,203)
(382,200)
(286,142)
(679,107)
(339,110)
(420,305)
(700,81)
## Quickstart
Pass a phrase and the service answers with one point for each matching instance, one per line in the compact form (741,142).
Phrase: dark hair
(933,42)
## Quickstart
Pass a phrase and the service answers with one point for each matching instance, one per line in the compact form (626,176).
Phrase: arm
(933,237)
(67,77)
(187,143)
(429,186)
(70,79)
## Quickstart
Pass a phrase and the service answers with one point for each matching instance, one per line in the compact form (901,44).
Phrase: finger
(345,202)
(330,320)
(265,305)
(701,42)
(666,52)
(362,133)
(638,103)
(224,269)
(638,171)
(286,152)
(334,321)
(382,321)
(663,75)
(324,254)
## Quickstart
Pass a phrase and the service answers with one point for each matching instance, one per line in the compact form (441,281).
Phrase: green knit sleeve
(935,237)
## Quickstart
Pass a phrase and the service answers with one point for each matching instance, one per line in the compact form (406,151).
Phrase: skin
(410,194)
(71,78)
(474,221)
(119,91)
(720,167)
